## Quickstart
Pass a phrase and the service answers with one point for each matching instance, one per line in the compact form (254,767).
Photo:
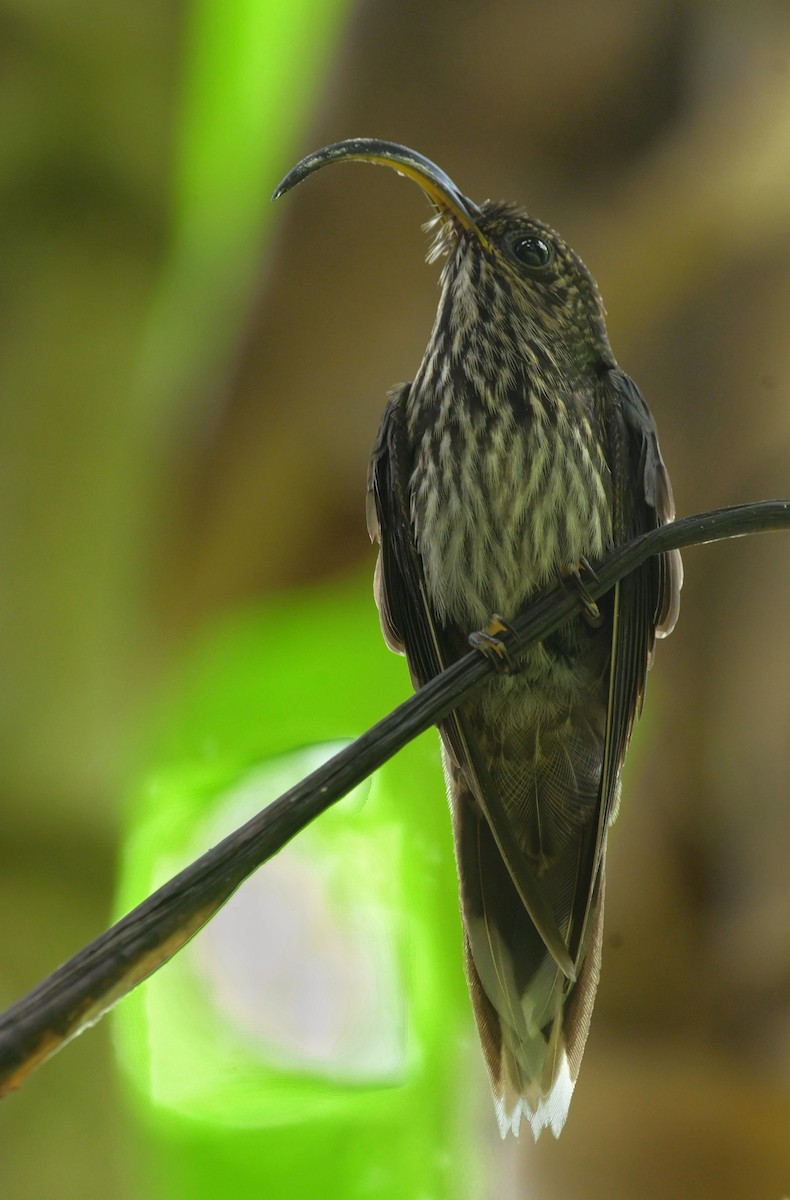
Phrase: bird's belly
(491,536)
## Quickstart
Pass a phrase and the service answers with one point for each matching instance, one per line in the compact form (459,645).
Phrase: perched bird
(519,453)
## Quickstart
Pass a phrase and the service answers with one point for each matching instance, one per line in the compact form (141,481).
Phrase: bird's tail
(532,1021)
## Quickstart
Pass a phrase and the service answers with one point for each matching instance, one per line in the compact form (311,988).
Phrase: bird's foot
(491,642)
(573,571)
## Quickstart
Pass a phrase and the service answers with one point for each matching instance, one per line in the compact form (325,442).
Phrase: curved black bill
(438,187)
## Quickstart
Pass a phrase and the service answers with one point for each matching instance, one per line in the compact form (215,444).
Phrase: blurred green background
(191,381)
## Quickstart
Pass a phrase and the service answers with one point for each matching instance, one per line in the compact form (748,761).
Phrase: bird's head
(504,271)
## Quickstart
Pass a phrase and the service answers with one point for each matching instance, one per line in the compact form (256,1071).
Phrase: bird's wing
(399,585)
(646,602)
(410,626)
(655,490)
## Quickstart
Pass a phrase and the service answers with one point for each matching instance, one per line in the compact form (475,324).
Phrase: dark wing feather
(646,602)
(411,627)
(649,598)
(657,497)
(399,584)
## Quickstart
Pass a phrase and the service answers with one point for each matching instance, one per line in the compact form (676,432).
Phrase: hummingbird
(520,453)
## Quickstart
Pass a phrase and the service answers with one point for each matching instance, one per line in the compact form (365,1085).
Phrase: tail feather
(532,1022)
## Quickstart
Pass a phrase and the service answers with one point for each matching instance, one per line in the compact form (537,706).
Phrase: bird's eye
(532,251)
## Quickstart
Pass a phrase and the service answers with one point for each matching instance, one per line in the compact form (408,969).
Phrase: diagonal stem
(78,993)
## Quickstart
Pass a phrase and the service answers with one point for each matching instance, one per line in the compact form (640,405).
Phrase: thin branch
(77,994)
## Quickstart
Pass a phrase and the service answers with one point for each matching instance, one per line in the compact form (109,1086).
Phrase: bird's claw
(590,610)
(493,645)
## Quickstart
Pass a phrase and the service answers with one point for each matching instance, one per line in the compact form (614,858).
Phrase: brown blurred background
(656,137)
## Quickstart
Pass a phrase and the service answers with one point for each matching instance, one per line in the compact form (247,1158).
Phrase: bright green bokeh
(252,73)
(353,1081)
(314,1040)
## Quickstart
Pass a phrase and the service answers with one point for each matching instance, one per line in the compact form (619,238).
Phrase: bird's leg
(491,642)
(590,610)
